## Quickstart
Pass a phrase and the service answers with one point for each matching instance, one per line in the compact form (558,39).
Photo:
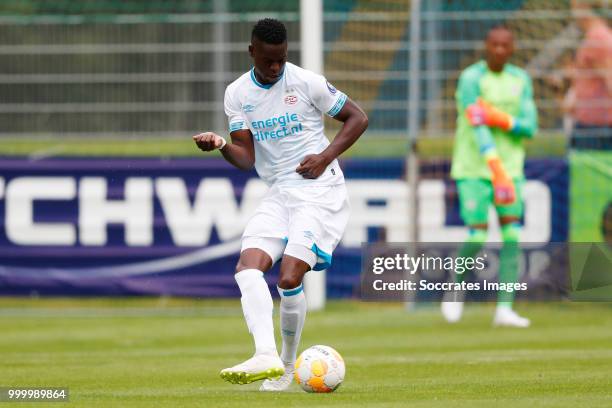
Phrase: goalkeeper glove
(483,113)
(503,187)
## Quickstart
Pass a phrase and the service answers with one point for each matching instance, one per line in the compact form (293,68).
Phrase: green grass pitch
(372,146)
(168,352)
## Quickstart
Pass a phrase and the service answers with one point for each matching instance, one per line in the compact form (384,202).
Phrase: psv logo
(291,100)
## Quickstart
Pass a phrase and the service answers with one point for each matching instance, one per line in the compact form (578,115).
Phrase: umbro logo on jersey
(291,100)
(331,88)
(248,108)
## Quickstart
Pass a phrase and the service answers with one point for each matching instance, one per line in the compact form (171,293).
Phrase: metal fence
(162,71)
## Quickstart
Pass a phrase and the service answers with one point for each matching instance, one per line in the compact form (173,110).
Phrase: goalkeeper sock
(471,247)
(508,260)
(257,308)
(292,316)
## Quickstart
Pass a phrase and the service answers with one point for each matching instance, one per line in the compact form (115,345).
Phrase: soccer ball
(319,369)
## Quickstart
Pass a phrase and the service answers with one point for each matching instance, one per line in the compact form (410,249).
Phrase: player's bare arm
(355,123)
(240,152)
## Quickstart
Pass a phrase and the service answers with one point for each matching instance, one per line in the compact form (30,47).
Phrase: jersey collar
(265,86)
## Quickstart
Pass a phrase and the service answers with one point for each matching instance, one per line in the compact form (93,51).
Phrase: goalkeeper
(496,112)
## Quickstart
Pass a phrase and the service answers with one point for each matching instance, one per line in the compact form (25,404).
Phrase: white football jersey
(286,120)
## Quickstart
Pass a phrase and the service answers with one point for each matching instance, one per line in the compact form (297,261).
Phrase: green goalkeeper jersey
(510,91)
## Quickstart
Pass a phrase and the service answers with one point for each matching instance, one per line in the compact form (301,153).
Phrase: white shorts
(304,222)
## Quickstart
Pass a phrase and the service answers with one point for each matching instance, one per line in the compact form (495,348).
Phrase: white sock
(257,308)
(292,316)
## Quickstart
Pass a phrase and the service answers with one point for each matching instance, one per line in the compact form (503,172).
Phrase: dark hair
(498,27)
(270,31)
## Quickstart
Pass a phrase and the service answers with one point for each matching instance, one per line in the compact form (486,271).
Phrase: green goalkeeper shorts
(476,195)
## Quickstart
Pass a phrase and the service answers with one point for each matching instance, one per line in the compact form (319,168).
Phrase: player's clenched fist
(312,166)
(209,141)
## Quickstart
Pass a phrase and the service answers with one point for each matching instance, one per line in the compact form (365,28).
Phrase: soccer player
(275,114)
(496,112)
